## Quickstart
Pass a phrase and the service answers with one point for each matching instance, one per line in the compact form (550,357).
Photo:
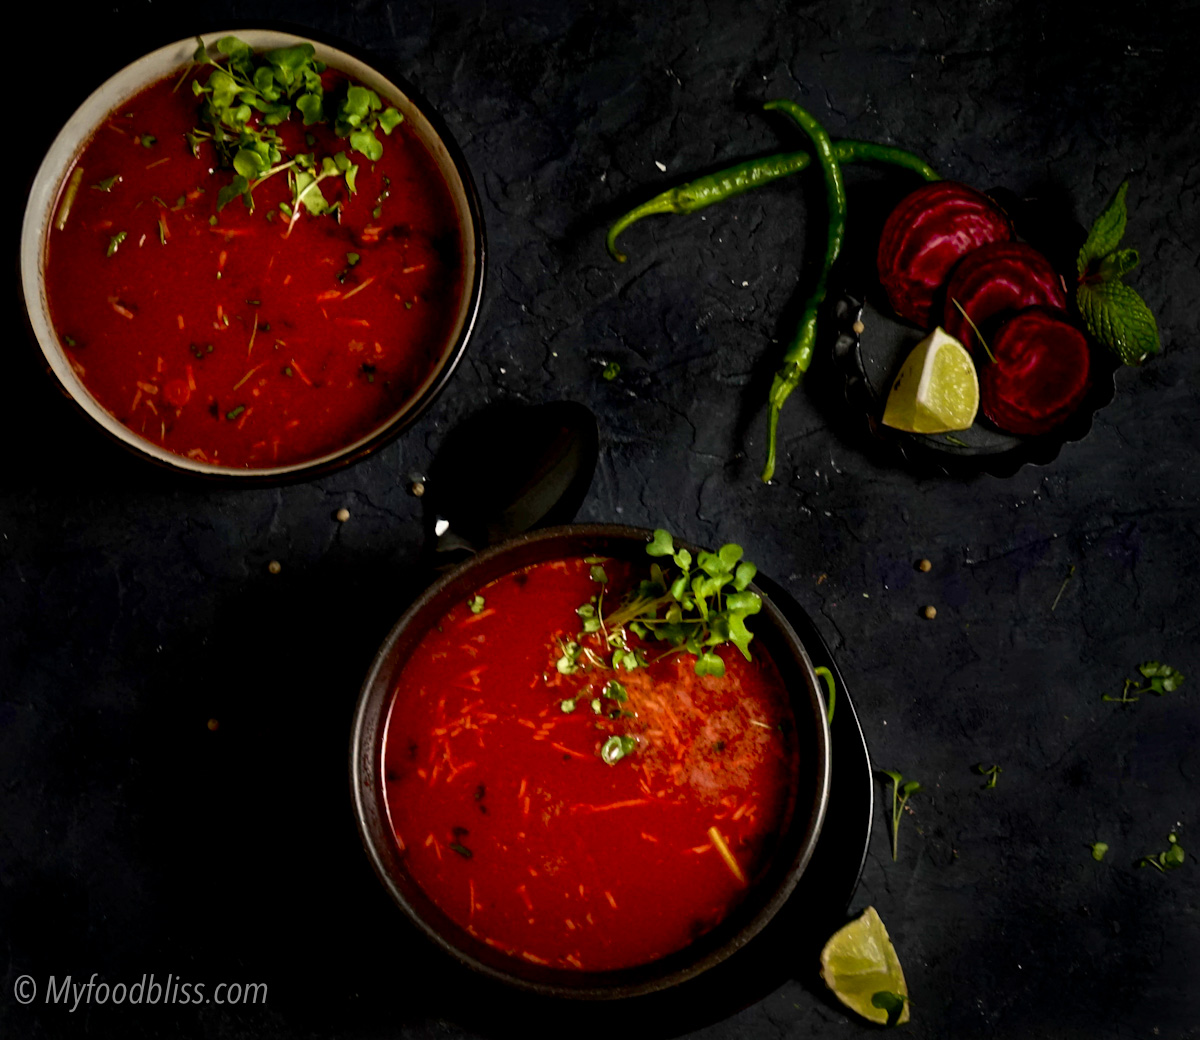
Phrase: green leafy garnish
(476,604)
(611,371)
(567,706)
(616,748)
(247,95)
(1170,859)
(991,772)
(696,610)
(901,792)
(892,1003)
(1113,312)
(233,413)
(114,243)
(107,183)
(1099,848)
(461,849)
(1162,679)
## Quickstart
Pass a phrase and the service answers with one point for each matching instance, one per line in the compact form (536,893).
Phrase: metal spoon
(508,469)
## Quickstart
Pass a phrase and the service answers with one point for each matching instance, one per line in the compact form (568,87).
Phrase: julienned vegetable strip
(799,353)
(739,179)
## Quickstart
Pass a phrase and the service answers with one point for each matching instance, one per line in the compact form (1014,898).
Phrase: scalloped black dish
(867,361)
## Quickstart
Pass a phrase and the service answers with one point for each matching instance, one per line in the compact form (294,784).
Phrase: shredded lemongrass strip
(726,855)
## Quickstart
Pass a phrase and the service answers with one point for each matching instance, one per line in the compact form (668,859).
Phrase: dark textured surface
(134,608)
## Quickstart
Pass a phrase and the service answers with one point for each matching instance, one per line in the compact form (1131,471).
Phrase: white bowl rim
(150,68)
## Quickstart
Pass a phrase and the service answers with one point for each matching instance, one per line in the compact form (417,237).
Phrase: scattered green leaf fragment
(233,413)
(476,603)
(892,1003)
(1173,857)
(1062,588)
(1114,312)
(149,140)
(1099,848)
(1162,678)
(567,706)
(616,691)
(611,371)
(107,183)
(114,243)
(597,707)
(568,663)
(902,790)
(461,849)
(616,748)
(352,258)
(992,773)
(598,574)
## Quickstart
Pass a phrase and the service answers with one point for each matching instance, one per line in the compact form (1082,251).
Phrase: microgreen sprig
(992,773)
(698,609)
(901,792)
(1170,859)
(1162,679)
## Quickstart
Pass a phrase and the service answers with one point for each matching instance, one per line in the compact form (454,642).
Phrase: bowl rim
(365,776)
(73,136)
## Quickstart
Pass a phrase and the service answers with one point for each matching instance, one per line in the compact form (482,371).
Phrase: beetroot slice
(1040,374)
(994,280)
(924,238)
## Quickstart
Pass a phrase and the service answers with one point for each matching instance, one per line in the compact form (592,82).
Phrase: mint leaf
(1116,264)
(1107,231)
(1119,318)
(892,1003)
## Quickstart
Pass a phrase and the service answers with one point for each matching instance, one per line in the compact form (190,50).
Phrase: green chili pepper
(739,179)
(800,351)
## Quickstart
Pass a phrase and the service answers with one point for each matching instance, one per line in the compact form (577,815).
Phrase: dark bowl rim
(250,478)
(620,988)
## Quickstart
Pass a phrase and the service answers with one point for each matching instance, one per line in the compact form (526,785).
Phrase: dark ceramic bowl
(764,900)
(165,61)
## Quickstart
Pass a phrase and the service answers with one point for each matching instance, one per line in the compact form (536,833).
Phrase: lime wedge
(937,389)
(859,963)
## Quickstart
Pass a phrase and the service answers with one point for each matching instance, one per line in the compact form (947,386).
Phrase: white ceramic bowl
(152,67)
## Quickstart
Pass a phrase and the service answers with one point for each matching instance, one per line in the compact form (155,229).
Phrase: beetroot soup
(236,336)
(567,821)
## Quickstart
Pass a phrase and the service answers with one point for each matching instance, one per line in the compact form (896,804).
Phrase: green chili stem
(737,180)
(799,353)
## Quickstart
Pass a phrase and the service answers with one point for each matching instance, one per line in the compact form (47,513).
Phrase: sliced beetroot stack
(994,281)
(926,235)
(1040,374)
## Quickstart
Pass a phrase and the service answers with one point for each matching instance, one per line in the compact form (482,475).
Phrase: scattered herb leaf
(107,183)
(1162,679)
(892,1003)
(1173,857)
(461,849)
(991,772)
(901,792)
(611,371)
(616,748)
(114,243)
(1098,848)
(476,604)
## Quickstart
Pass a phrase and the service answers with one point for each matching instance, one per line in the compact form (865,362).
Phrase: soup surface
(512,822)
(221,335)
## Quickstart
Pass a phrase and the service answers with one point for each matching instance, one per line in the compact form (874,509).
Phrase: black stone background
(134,607)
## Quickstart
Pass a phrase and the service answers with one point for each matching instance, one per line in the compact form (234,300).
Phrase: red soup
(237,337)
(511,820)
